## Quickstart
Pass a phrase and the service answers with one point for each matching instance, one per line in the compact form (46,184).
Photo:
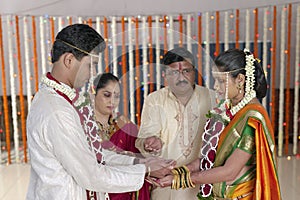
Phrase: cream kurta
(62,163)
(179,127)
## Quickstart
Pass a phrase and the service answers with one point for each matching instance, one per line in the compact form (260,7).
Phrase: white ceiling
(126,7)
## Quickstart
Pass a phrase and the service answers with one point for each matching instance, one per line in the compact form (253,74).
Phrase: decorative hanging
(255,39)
(35,56)
(265,49)
(21,96)
(131,71)
(70,20)
(217,33)
(124,69)
(200,49)
(207,48)
(226,31)
(151,70)
(180,42)
(4,97)
(114,45)
(100,68)
(247,31)
(171,32)
(137,72)
(281,79)
(106,56)
(273,64)
(12,91)
(43,47)
(189,33)
(165,35)
(90,22)
(157,52)
(52,28)
(237,29)
(297,83)
(27,62)
(145,58)
(79,20)
(60,24)
(288,78)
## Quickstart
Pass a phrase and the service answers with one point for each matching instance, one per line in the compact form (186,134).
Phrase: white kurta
(62,163)
(179,127)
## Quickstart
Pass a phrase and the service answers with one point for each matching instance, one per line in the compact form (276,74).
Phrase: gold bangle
(176,179)
(173,183)
(177,182)
(188,179)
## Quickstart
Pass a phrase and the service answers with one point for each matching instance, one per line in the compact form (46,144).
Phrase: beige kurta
(179,127)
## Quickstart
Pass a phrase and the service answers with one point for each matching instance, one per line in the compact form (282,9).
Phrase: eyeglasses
(184,72)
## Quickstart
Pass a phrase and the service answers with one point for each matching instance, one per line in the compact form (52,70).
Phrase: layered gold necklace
(106,130)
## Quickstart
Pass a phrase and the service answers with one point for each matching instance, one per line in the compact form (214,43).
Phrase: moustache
(179,82)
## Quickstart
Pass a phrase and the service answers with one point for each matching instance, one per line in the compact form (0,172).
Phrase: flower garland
(297,69)
(207,48)
(219,117)
(114,45)
(27,62)
(77,98)
(145,63)
(171,32)
(157,51)
(226,31)
(213,128)
(189,32)
(42,45)
(265,47)
(12,75)
(247,34)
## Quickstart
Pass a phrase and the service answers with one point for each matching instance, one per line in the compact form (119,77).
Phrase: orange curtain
(137,71)
(124,70)
(35,56)
(288,78)
(237,29)
(273,68)
(5,101)
(200,49)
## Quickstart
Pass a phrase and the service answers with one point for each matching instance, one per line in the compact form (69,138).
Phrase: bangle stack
(182,178)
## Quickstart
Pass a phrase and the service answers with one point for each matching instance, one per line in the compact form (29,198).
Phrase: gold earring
(240,88)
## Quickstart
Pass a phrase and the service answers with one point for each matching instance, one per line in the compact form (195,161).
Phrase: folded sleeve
(150,123)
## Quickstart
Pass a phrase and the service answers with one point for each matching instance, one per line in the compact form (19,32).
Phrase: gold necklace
(106,131)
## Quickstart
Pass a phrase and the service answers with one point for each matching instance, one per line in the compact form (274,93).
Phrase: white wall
(126,7)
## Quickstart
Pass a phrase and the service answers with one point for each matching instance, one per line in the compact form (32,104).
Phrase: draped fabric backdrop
(135,45)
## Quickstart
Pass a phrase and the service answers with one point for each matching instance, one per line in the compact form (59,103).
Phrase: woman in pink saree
(118,133)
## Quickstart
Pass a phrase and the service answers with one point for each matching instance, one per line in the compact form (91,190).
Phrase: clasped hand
(159,167)
(153,145)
